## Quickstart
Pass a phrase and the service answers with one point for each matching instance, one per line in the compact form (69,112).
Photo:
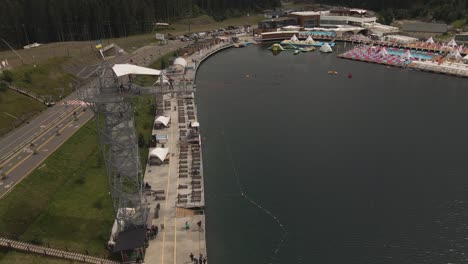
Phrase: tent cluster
(449,46)
(379,55)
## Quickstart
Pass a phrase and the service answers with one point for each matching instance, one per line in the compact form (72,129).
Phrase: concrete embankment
(177,196)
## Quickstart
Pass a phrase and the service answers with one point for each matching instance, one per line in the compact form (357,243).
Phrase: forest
(29,21)
(439,10)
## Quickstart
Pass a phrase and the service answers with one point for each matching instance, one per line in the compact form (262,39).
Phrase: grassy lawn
(66,202)
(460,23)
(47,78)
(17,105)
(144,109)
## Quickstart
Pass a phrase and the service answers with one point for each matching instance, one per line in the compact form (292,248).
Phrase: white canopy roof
(195,124)
(456,54)
(430,40)
(294,38)
(126,69)
(180,61)
(383,52)
(160,153)
(165,80)
(408,55)
(310,39)
(452,43)
(163,120)
(326,48)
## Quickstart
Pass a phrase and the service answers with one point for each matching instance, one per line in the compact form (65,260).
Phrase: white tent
(430,40)
(452,43)
(180,62)
(408,55)
(127,69)
(294,38)
(383,52)
(160,153)
(194,124)
(165,80)
(326,48)
(456,55)
(465,58)
(164,120)
(310,40)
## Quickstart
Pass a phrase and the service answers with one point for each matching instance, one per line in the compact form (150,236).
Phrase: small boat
(333,72)
(296,52)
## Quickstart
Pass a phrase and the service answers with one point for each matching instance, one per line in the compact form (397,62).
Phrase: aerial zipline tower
(111,103)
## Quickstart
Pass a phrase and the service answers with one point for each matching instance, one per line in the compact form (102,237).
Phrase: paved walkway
(180,183)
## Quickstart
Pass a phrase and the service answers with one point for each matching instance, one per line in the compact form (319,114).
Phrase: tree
(141,140)
(7,76)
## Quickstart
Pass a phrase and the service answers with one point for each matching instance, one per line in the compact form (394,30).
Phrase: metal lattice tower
(112,105)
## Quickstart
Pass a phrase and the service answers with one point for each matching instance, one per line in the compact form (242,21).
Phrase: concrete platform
(175,243)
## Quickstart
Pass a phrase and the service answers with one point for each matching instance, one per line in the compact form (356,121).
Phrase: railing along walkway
(52,252)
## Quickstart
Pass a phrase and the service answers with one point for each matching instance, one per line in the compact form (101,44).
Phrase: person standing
(187,226)
(191,257)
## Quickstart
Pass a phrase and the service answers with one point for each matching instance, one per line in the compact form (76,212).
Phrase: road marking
(43,132)
(50,119)
(34,167)
(175,240)
(38,148)
(163,242)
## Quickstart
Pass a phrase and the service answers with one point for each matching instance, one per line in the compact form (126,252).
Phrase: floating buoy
(247,76)
(350,76)
(333,72)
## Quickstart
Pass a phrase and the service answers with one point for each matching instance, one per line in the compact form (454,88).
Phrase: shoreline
(178,183)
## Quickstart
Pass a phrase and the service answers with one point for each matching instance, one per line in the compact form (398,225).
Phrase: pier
(175,180)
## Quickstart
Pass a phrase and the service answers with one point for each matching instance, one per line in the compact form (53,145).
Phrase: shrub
(7,76)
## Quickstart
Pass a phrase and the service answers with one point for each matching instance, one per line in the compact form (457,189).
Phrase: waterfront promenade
(177,199)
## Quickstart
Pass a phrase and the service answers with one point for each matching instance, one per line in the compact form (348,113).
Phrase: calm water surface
(372,169)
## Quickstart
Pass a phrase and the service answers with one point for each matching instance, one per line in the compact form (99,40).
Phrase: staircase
(52,252)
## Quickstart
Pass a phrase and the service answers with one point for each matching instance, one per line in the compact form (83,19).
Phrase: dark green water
(372,169)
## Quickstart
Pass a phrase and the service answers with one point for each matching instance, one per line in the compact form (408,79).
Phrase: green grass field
(15,109)
(46,78)
(66,202)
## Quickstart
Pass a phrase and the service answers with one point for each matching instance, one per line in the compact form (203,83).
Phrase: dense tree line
(29,21)
(439,10)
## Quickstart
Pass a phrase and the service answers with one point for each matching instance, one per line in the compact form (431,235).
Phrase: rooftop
(424,27)
(310,13)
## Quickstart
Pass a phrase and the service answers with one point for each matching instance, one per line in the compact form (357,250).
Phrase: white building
(355,17)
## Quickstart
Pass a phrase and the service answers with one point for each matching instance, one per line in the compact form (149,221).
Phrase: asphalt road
(18,157)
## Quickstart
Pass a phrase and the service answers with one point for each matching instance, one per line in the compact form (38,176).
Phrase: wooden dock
(52,252)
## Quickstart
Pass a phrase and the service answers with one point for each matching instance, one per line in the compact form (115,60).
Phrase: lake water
(372,169)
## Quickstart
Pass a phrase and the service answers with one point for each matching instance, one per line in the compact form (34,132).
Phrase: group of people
(200,260)
(153,231)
